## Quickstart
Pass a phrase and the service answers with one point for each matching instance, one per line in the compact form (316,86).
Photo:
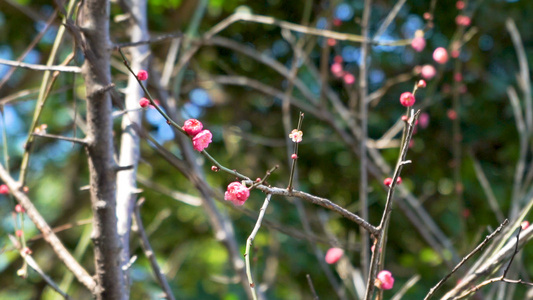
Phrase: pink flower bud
(407,99)
(421,84)
(214,168)
(455,53)
(202,140)
(405,118)
(384,281)
(424,120)
(460,5)
(452,115)
(458,77)
(192,127)
(336,69)
(294,156)
(399,180)
(524,225)
(387,181)
(440,55)
(427,15)
(4,190)
(237,193)
(428,72)
(349,79)
(19,209)
(333,255)
(18,233)
(462,20)
(144,102)
(142,75)
(332,42)
(337,22)
(338,59)
(418,43)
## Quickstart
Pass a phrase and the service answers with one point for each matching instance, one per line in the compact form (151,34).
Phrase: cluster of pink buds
(388,181)
(338,71)
(201,138)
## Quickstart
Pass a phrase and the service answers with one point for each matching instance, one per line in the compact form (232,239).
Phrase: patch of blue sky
(5,53)
(280,48)
(351,54)
(200,97)
(387,37)
(411,25)
(191,110)
(154,117)
(344,12)
(164,133)
(14,124)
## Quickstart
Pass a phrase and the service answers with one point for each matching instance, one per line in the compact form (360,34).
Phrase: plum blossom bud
(142,75)
(4,190)
(407,99)
(424,120)
(336,69)
(428,72)
(296,135)
(144,102)
(418,43)
(237,193)
(192,127)
(18,233)
(294,156)
(460,5)
(202,140)
(333,255)
(19,209)
(524,225)
(214,168)
(421,84)
(440,55)
(349,79)
(384,281)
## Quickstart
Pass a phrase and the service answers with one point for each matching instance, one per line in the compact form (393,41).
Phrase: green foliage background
(249,137)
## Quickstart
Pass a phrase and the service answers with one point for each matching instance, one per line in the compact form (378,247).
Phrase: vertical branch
(130,140)
(147,248)
(363,111)
(249,242)
(102,167)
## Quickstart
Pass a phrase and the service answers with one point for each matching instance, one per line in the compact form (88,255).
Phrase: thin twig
(487,189)
(49,236)
(68,69)
(33,264)
(388,207)
(249,242)
(62,138)
(490,265)
(466,258)
(312,287)
(297,28)
(149,252)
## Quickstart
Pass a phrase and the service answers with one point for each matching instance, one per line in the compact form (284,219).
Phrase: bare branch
(149,252)
(67,69)
(49,236)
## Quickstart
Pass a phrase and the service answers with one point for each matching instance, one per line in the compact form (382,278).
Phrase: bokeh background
(249,136)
